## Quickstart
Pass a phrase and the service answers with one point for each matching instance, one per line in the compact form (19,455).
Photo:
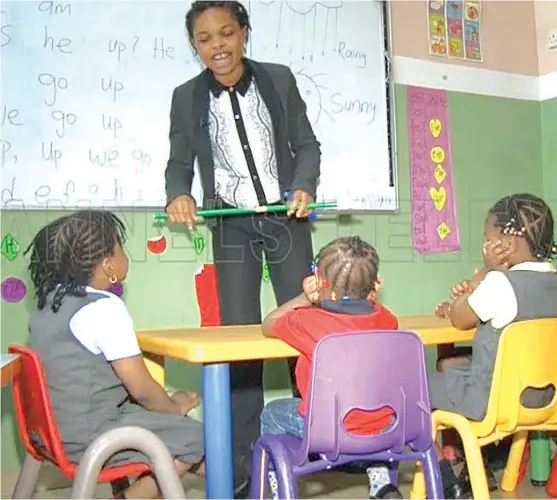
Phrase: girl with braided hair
(96,376)
(337,297)
(518,282)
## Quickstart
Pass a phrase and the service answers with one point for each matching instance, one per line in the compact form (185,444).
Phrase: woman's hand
(181,210)
(299,204)
(496,255)
(311,289)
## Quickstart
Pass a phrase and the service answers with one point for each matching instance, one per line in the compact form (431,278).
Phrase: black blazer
(297,149)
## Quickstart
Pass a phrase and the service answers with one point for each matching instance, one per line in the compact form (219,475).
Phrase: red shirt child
(338,297)
(302,329)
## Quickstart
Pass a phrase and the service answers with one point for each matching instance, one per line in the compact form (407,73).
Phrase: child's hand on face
(496,255)
(187,401)
(378,286)
(311,289)
(443,310)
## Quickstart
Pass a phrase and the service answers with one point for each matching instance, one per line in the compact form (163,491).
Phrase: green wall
(549,151)
(496,150)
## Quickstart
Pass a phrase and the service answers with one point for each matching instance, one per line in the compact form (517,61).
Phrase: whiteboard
(86,90)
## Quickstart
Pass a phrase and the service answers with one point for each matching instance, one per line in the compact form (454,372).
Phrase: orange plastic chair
(525,358)
(34,415)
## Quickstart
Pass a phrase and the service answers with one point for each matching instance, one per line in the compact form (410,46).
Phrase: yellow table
(11,366)
(216,347)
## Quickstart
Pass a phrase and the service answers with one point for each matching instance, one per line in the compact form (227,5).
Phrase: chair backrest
(368,371)
(526,357)
(34,410)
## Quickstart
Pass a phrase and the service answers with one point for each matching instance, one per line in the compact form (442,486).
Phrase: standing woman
(245,124)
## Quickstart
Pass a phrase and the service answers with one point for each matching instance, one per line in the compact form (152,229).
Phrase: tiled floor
(326,485)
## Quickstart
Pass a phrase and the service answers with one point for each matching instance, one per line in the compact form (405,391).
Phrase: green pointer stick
(216,212)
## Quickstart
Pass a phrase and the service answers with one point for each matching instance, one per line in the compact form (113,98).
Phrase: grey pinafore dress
(87,396)
(465,390)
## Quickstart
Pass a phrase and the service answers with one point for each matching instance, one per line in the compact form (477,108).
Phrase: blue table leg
(217,430)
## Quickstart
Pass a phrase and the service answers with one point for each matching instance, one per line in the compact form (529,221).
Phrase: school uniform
(524,292)
(245,146)
(76,345)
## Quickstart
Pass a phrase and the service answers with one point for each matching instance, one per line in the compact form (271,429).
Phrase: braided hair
(236,9)
(530,217)
(350,266)
(65,252)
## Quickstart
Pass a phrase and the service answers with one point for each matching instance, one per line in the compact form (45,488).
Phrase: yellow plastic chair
(526,357)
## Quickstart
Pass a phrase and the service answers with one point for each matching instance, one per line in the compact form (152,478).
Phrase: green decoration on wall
(10,247)
(198,243)
(265,270)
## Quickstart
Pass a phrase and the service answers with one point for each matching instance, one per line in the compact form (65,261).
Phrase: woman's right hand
(181,210)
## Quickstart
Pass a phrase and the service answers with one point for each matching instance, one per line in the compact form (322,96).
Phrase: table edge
(203,354)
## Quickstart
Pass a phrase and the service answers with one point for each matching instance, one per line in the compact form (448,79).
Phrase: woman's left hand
(299,204)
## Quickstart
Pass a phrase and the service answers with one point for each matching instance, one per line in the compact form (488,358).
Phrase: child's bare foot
(199,469)
(187,400)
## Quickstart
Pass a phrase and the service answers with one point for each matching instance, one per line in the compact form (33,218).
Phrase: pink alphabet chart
(434,219)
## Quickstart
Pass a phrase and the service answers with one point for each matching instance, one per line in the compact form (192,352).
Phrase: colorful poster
(472,28)
(454,29)
(437,28)
(434,219)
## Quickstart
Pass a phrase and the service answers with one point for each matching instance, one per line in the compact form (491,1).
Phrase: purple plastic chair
(366,371)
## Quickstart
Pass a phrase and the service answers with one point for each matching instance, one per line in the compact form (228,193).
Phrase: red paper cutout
(156,245)
(207,291)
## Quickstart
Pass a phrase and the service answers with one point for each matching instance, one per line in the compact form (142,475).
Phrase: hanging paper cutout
(198,243)
(206,288)
(157,245)
(265,269)
(13,290)
(10,247)
(434,220)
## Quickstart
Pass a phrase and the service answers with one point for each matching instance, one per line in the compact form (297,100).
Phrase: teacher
(244,123)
